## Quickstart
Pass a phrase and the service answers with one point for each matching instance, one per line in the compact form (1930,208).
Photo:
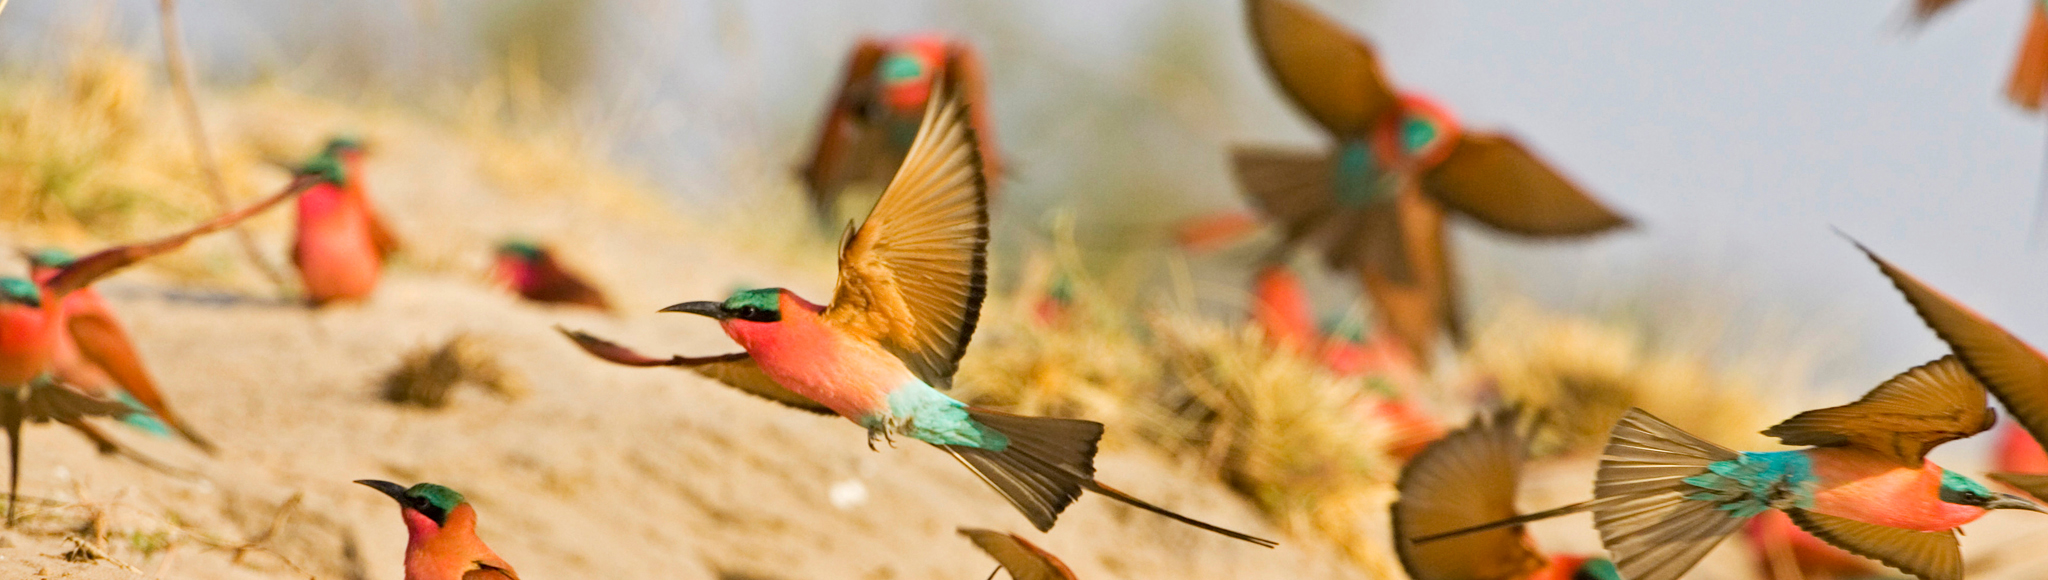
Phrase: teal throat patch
(21,291)
(1754,482)
(1358,178)
(925,414)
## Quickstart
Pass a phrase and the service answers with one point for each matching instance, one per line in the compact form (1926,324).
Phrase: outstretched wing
(1496,180)
(840,137)
(736,370)
(2008,368)
(914,275)
(1925,555)
(1329,72)
(963,66)
(1466,479)
(1903,418)
(1022,559)
(93,267)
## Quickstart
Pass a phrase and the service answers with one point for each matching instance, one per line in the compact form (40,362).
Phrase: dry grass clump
(1584,374)
(97,155)
(427,374)
(1278,426)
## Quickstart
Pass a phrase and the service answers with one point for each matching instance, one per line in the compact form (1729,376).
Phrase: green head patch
(327,166)
(899,67)
(21,291)
(343,144)
(433,501)
(1957,489)
(1597,569)
(51,258)
(758,305)
(523,248)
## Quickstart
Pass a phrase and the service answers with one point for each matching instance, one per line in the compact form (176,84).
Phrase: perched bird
(1663,497)
(911,283)
(1022,559)
(341,243)
(874,117)
(532,271)
(32,326)
(441,542)
(2012,370)
(1465,479)
(95,348)
(1373,202)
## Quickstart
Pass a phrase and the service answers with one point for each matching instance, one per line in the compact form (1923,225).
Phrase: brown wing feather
(493,570)
(2008,368)
(1465,479)
(1326,70)
(840,137)
(381,235)
(1496,180)
(101,339)
(1022,559)
(99,264)
(1903,418)
(736,370)
(914,275)
(2035,484)
(963,65)
(1415,311)
(1925,555)
(2029,80)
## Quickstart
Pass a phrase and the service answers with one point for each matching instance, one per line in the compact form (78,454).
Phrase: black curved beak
(701,308)
(2007,501)
(396,491)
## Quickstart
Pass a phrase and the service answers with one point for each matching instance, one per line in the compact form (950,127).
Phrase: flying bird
(1468,478)
(1022,559)
(341,243)
(94,351)
(911,283)
(441,541)
(532,270)
(1663,497)
(1373,202)
(32,326)
(2011,369)
(873,118)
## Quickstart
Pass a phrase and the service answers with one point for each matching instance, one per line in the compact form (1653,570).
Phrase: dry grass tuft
(1585,374)
(428,374)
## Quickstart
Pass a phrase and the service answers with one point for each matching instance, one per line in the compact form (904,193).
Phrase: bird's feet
(881,432)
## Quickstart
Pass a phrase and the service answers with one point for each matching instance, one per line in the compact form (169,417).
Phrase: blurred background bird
(530,269)
(1013,554)
(1468,478)
(96,352)
(1373,202)
(342,244)
(33,328)
(441,541)
(873,117)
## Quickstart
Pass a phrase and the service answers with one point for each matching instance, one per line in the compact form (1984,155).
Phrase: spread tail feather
(1645,517)
(1047,464)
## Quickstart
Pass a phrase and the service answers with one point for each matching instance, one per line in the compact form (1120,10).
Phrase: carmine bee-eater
(95,348)
(532,271)
(1468,478)
(1663,497)
(441,542)
(874,116)
(341,243)
(1374,201)
(32,326)
(1022,559)
(2011,369)
(911,283)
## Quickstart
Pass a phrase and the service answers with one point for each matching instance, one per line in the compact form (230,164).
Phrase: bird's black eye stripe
(756,314)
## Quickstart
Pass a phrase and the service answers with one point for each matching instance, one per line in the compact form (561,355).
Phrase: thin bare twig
(181,84)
